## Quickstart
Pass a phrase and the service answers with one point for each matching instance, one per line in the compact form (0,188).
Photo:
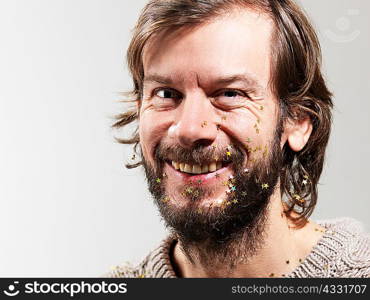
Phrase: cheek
(146,138)
(255,130)
(151,132)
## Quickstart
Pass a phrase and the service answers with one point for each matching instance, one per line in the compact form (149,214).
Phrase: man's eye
(231,98)
(165,98)
(166,93)
(230,94)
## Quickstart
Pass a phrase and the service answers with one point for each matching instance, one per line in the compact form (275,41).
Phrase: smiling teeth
(197,169)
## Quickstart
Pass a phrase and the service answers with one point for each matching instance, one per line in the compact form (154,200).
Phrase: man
(233,121)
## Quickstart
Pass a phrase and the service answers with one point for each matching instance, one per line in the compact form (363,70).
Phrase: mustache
(199,154)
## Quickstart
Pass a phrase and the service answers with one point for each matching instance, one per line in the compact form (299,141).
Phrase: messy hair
(296,81)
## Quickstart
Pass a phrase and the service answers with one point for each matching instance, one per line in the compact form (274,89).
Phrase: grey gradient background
(68,207)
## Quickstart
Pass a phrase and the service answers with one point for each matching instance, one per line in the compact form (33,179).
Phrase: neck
(283,248)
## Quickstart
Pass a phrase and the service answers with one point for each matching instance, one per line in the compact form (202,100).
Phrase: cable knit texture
(342,251)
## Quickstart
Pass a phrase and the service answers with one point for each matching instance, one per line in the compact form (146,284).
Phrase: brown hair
(296,80)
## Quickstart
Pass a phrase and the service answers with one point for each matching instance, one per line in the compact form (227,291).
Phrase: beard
(220,235)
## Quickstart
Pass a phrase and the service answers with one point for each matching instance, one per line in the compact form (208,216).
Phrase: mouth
(197,169)
(208,172)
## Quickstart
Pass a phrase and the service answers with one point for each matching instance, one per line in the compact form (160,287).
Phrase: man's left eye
(231,98)
(231,93)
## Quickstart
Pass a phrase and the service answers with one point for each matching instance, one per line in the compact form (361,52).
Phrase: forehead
(234,44)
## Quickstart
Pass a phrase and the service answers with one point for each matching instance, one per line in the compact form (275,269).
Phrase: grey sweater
(343,251)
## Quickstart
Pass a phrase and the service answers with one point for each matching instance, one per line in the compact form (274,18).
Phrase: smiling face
(207,88)
(210,132)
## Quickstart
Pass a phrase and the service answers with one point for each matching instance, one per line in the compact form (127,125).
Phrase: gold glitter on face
(165,199)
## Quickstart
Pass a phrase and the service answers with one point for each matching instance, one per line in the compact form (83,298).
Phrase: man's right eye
(166,93)
(165,98)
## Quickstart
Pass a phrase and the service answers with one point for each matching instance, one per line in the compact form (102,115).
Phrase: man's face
(207,120)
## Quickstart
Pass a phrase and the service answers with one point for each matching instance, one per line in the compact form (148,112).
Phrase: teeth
(188,168)
(175,165)
(204,168)
(212,167)
(197,169)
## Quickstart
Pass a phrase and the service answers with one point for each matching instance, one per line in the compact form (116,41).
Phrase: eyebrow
(245,78)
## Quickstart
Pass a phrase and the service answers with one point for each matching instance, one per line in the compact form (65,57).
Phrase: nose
(195,124)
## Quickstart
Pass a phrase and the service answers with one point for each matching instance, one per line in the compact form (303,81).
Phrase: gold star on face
(204,123)
(189,190)
(257,130)
(265,152)
(223,118)
(158,180)
(165,199)
(258,121)
(264,185)
(261,107)
(248,140)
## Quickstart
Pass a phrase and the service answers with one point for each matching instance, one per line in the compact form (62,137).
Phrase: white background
(67,205)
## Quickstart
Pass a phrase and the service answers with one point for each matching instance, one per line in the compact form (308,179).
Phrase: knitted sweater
(342,251)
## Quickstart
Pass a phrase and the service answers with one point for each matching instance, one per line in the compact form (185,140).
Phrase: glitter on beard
(215,232)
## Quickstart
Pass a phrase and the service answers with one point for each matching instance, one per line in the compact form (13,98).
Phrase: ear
(296,133)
